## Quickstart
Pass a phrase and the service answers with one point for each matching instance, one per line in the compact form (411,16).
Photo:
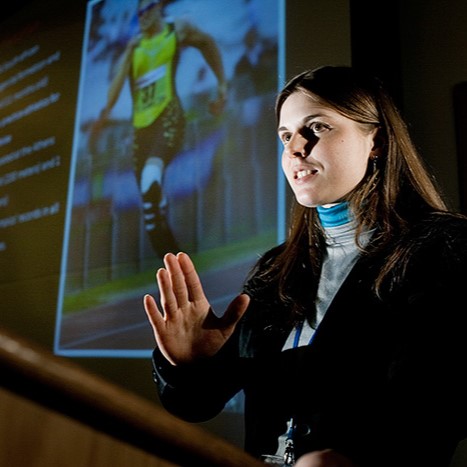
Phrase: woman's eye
(318,127)
(307,132)
(285,138)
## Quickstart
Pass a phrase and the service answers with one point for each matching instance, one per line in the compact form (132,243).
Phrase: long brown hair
(396,190)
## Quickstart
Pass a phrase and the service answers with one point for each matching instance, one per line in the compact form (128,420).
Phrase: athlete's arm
(191,36)
(122,73)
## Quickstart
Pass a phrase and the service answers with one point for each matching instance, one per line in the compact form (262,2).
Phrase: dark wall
(375,41)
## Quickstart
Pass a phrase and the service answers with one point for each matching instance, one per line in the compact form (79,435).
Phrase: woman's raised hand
(186,328)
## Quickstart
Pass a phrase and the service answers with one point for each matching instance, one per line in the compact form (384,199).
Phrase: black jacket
(382,382)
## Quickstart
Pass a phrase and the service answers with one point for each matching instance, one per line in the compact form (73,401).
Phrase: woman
(348,340)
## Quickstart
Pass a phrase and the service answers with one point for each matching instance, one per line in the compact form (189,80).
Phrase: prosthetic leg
(155,208)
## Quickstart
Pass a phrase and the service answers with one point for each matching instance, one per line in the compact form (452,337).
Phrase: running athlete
(150,62)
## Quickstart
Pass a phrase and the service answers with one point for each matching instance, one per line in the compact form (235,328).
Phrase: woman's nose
(298,146)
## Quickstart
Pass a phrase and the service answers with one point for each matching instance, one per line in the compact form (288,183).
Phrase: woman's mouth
(303,173)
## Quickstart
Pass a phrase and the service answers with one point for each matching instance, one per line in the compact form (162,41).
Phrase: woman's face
(325,154)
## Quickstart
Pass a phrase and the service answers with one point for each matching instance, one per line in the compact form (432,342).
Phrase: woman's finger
(236,309)
(158,324)
(177,279)
(153,313)
(168,300)
(192,280)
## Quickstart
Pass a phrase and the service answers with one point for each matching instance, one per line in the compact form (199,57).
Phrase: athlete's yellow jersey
(153,68)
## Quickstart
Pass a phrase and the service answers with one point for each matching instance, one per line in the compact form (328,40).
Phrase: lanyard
(289,454)
(298,333)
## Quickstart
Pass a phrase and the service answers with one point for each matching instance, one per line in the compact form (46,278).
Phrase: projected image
(174,149)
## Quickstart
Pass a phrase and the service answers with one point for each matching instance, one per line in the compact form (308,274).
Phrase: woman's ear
(379,142)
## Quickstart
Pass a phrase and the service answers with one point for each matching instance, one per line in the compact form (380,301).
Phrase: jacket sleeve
(198,391)
(426,404)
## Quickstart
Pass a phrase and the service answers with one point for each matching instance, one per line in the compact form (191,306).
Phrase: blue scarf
(335,215)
